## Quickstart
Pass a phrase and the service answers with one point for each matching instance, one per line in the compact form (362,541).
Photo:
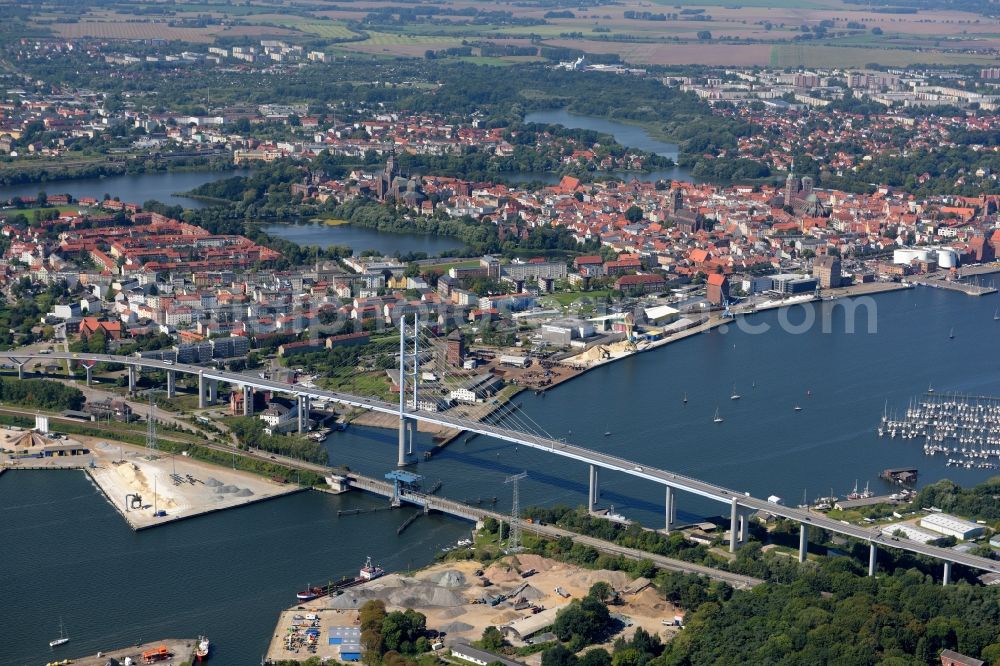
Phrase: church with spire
(799,195)
(391,185)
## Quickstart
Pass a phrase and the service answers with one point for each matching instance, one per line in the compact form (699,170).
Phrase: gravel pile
(424,595)
(213,482)
(449,578)
(455,627)
(532,593)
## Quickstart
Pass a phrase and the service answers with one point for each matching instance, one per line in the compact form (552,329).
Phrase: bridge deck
(555,447)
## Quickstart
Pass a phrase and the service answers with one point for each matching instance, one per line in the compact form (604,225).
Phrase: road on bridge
(734,499)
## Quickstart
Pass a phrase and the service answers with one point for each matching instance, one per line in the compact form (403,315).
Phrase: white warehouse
(948,525)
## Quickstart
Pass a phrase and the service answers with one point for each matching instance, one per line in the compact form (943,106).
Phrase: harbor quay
(520,594)
(146,487)
(180,650)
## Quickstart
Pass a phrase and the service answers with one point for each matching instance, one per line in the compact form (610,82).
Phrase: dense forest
(250,433)
(43,393)
(823,612)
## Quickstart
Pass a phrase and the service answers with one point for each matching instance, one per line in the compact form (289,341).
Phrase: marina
(964,428)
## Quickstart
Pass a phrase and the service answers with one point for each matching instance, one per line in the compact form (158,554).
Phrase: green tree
(492,640)
(558,655)
(601,591)
(633,214)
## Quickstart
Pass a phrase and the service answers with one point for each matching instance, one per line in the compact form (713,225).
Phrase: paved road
(735,499)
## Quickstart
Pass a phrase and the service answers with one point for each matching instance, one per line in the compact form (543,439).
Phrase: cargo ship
(368,572)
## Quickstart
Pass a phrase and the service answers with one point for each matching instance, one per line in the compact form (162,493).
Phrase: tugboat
(310,593)
(201,654)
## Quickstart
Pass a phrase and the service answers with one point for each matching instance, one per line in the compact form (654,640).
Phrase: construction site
(519,594)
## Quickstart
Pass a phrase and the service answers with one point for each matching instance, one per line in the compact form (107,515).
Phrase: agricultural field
(792,55)
(708,32)
(694,53)
(401,45)
(134,30)
(326,29)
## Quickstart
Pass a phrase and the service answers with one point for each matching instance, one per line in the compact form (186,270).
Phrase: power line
(151,446)
(514,541)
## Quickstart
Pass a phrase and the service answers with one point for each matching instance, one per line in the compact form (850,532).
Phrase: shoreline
(715,321)
(57,177)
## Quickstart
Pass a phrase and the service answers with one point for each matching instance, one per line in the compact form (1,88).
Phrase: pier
(181,650)
(147,488)
(939,281)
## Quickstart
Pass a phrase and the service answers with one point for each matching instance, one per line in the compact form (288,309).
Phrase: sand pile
(136,480)
(536,562)
(617,579)
(505,617)
(500,572)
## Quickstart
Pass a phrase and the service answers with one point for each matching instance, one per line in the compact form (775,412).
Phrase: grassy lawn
(28,212)
(444,268)
(364,384)
(181,402)
(565,298)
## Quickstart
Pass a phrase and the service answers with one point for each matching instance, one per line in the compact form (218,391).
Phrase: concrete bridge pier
(803,542)
(133,378)
(20,369)
(247,401)
(411,437)
(201,391)
(669,510)
(745,525)
(89,369)
(947,573)
(739,525)
(213,391)
(734,516)
(401,453)
(594,491)
(171,384)
(303,413)
(872,553)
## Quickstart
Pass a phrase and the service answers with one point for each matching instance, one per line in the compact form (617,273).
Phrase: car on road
(637,468)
